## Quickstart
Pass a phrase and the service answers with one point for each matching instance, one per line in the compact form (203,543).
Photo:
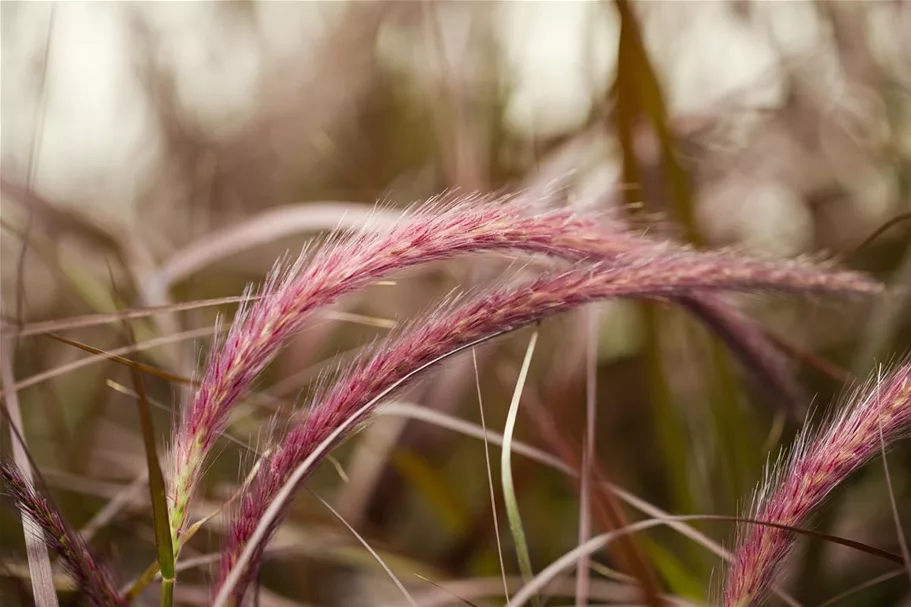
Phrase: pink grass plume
(436,231)
(819,461)
(92,579)
(452,326)
(433,232)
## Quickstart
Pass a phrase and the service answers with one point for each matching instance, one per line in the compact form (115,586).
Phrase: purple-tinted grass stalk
(819,461)
(92,578)
(452,326)
(762,359)
(436,231)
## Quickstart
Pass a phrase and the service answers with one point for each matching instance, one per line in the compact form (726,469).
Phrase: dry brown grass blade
(450,593)
(860,587)
(133,365)
(264,228)
(42,576)
(885,227)
(93,320)
(115,355)
(290,384)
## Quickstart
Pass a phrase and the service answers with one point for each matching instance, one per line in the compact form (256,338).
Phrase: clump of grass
(818,462)
(94,581)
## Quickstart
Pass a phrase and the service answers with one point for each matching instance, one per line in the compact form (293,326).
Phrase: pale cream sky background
(100,142)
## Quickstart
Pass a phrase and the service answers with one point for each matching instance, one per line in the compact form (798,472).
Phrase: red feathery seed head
(818,463)
(346,264)
(92,579)
(662,275)
(434,232)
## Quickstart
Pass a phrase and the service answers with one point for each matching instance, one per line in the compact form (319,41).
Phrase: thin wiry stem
(902,542)
(588,454)
(92,579)
(453,326)
(395,579)
(493,499)
(819,462)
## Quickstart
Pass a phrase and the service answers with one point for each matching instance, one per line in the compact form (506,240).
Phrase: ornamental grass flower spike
(343,265)
(438,230)
(491,313)
(818,462)
(92,579)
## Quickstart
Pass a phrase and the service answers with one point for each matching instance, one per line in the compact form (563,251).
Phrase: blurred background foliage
(155,153)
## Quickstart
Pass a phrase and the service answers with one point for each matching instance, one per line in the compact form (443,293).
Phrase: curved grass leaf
(509,491)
